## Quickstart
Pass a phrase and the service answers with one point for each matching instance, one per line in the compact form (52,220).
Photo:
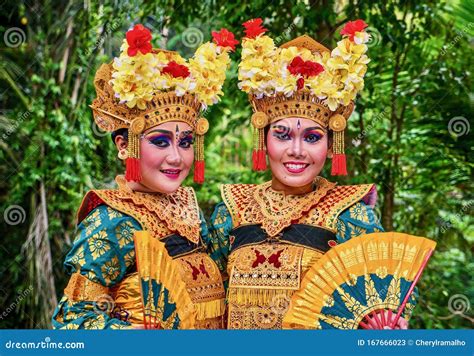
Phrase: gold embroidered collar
(179,211)
(278,210)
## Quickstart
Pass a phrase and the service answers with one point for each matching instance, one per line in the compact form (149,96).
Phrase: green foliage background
(401,137)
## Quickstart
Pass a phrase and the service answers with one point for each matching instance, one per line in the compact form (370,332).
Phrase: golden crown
(301,104)
(163,107)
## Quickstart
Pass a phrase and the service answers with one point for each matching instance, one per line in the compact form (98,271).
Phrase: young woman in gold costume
(267,236)
(151,100)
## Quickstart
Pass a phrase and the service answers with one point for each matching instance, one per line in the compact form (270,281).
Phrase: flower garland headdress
(305,79)
(145,87)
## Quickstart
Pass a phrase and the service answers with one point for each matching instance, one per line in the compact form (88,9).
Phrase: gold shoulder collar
(178,212)
(236,196)
(341,198)
(260,204)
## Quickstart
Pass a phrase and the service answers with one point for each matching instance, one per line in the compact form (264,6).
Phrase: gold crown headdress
(145,87)
(302,78)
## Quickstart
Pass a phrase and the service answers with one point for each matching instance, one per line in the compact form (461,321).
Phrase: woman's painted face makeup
(313,134)
(297,149)
(310,134)
(186,139)
(166,156)
(164,138)
(159,138)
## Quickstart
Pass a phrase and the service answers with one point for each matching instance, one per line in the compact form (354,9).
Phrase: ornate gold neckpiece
(178,211)
(277,210)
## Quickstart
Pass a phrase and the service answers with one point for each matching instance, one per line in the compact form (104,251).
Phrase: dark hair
(120,132)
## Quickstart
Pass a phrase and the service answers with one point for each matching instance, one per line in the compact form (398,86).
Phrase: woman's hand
(382,319)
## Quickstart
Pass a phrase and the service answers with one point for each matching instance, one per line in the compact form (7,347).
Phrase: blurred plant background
(410,133)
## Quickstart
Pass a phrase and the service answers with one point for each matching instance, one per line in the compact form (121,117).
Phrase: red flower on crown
(304,68)
(300,83)
(352,27)
(224,38)
(253,28)
(139,40)
(176,70)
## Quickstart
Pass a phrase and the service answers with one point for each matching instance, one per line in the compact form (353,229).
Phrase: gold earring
(122,154)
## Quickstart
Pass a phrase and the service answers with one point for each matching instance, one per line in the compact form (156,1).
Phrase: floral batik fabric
(100,257)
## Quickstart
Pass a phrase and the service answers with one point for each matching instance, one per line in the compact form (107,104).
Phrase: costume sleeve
(100,257)
(356,220)
(220,226)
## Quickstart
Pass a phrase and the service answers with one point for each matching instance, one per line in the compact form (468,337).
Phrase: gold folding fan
(366,274)
(166,302)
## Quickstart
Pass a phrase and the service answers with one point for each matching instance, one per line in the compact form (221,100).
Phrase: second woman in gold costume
(267,236)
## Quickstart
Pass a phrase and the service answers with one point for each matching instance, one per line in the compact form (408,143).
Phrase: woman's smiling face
(297,150)
(166,157)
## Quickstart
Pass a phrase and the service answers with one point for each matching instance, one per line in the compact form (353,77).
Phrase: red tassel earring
(259,155)
(132,164)
(337,124)
(202,126)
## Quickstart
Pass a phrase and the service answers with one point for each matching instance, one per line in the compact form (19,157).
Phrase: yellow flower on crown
(208,68)
(264,69)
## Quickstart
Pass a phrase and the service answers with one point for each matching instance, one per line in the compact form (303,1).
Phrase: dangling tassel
(262,159)
(199,169)
(337,123)
(132,164)
(259,157)
(132,170)
(254,160)
(339,167)
(199,163)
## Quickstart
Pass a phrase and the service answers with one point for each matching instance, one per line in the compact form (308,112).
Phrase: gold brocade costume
(175,220)
(275,239)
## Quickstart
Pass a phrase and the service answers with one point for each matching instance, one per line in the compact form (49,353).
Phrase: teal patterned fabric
(357,220)
(104,252)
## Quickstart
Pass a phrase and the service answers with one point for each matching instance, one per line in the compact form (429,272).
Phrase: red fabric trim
(90,202)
